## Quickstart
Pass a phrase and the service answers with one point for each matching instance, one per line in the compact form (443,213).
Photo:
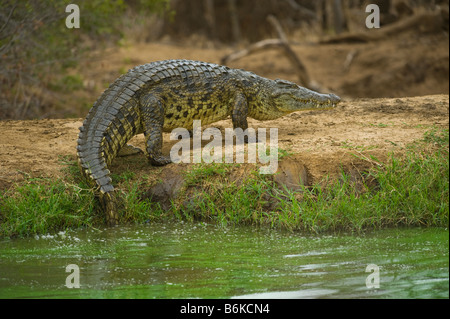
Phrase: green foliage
(40,206)
(201,172)
(437,137)
(68,83)
(412,191)
(36,47)
(156,6)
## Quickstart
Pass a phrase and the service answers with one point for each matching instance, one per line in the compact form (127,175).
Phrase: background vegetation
(36,49)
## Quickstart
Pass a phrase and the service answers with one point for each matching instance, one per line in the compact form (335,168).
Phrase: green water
(204,261)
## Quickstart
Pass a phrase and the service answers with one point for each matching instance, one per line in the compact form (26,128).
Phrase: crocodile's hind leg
(152,114)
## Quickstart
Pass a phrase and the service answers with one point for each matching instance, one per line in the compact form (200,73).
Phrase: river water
(185,260)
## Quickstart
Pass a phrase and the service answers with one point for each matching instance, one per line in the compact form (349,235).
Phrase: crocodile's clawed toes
(159,160)
(129,150)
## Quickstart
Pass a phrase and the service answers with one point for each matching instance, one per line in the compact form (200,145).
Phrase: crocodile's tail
(113,120)
(110,205)
(94,168)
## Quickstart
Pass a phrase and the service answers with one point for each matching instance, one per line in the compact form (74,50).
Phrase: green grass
(201,172)
(42,205)
(410,189)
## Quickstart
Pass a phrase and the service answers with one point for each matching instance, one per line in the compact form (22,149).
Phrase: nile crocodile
(160,96)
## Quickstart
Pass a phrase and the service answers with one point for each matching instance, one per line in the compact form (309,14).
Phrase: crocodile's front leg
(240,112)
(152,114)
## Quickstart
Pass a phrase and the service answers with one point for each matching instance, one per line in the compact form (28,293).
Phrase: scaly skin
(160,96)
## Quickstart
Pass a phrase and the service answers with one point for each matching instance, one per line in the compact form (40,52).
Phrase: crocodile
(160,96)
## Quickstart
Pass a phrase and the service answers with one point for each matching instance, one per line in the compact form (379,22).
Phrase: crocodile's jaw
(289,97)
(289,104)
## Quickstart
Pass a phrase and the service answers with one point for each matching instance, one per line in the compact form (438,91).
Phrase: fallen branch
(280,43)
(425,22)
(349,59)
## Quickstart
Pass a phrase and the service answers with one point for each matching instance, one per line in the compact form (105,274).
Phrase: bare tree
(210,17)
(280,43)
(234,17)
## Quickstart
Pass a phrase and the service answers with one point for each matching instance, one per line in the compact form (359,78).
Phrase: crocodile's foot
(159,160)
(129,150)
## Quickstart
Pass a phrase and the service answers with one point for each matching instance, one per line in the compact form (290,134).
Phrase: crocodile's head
(289,97)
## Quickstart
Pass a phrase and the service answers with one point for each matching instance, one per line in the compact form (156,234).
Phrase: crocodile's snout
(334,98)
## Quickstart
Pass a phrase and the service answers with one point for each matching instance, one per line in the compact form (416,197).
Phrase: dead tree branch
(280,43)
(235,27)
(7,19)
(304,11)
(425,22)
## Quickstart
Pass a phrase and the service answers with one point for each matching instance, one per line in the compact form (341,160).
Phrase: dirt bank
(322,141)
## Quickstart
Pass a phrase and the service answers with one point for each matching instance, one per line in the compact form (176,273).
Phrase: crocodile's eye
(286,84)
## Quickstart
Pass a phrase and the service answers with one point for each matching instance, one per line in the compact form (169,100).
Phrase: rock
(292,174)
(163,192)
